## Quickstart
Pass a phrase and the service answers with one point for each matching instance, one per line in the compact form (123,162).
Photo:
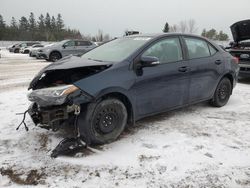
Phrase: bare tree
(87,37)
(99,36)
(173,28)
(192,26)
(184,27)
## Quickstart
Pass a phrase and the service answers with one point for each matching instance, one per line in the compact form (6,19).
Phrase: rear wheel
(222,93)
(55,56)
(16,51)
(106,122)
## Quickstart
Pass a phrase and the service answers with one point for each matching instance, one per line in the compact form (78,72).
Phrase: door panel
(206,67)
(164,86)
(161,88)
(69,48)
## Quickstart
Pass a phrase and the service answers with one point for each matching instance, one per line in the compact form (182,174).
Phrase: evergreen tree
(32,22)
(13,29)
(59,22)
(40,23)
(13,23)
(53,23)
(23,24)
(48,28)
(204,33)
(222,36)
(47,22)
(41,28)
(211,34)
(24,29)
(166,28)
(2,27)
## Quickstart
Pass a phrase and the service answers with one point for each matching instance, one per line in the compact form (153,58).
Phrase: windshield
(116,50)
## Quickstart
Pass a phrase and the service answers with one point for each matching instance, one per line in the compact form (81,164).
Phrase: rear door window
(197,48)
(83,43)
(166,50)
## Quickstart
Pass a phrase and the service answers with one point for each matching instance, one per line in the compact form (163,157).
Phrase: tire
(26,52)
(222,93)
(54,56)
(105,122)
(16,51)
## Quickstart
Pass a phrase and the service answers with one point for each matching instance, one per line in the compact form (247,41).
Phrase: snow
(197,146)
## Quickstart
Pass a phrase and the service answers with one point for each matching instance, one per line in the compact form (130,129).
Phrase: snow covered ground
(197,146)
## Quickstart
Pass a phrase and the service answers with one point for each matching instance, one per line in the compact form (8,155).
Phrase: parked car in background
(12,47)
(240,48)
(127,79)
(65,48)
(37,54)
(26,50)
(34,48)
(22,46)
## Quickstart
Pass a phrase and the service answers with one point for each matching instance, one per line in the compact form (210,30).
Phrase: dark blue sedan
(130,78)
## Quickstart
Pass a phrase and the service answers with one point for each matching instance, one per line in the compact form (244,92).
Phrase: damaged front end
(57,102)
(55,99)
(55,107)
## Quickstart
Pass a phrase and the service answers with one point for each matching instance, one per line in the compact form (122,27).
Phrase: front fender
(114,78)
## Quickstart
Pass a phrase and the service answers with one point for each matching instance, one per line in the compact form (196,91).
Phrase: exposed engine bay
(52,78)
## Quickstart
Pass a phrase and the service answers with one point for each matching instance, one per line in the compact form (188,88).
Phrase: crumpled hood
(70,62)
(241,30)
(67,63)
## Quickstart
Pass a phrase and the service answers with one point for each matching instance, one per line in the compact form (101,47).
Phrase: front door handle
(218,62)
(183,69)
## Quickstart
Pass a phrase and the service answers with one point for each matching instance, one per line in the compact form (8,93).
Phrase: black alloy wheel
(222,93)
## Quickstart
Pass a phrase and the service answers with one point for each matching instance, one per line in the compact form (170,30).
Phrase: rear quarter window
(212,50)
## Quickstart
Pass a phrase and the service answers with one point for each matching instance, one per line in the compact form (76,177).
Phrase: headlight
(52,95)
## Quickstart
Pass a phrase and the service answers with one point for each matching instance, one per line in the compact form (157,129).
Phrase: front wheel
(222,93)
(106,122)
(55,56)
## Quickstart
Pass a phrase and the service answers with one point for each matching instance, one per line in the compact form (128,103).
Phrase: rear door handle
(218,62)
(183,69)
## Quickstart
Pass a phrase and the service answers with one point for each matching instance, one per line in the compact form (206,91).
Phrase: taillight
(235,60)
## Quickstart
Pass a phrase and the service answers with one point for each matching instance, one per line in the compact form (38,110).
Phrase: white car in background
(35,52)
(25,49)
(33,49)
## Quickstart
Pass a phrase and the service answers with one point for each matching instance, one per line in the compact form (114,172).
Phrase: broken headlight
(52,95)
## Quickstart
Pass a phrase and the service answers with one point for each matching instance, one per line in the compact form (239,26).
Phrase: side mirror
(64,45)
(149,61)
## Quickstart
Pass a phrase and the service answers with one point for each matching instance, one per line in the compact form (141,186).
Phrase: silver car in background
(65,48)
(27,49)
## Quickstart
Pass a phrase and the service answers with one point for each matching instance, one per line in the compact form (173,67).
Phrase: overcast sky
(146,16)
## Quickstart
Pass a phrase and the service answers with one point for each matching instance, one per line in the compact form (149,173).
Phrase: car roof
(156,36)
(159,35)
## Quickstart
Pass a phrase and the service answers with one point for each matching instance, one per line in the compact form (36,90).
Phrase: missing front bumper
(53,117)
